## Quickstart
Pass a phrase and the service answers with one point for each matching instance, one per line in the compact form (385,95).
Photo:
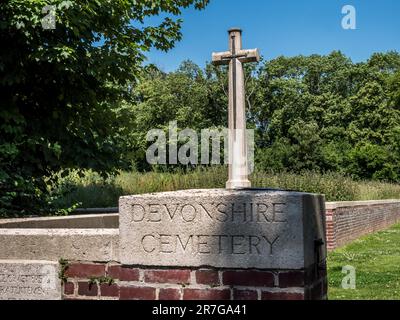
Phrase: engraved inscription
(209,244)
(220,212)
(28,280)
(214,227)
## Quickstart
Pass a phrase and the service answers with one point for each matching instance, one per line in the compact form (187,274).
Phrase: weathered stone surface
(89,221)
(29,280)
(249,228)
(53,244)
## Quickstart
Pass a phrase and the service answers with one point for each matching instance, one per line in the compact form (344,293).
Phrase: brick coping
(346,204)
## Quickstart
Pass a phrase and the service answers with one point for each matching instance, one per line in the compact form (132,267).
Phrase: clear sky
(285,27)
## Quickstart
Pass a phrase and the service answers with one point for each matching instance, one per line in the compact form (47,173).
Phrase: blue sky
(285,27)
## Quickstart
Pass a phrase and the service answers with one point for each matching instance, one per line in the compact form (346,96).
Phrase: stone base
(196,244)
(231,184)
(223,244)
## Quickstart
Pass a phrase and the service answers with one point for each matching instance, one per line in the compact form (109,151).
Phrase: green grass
(376,259)
(91,190)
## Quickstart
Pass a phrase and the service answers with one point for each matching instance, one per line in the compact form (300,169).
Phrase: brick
(206,294)
(123,273)
(69,288)
(167,276)
(107,290)
(248,278)
(83,270)
(86,289)
(169,294)
(281,296)
(137,293)
(245,295)
(291,279)
(209,277)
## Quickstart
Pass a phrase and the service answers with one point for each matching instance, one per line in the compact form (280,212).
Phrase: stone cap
(88,221)
(346,204)
(53,244)
(235,29)
(58,232)
(217,192)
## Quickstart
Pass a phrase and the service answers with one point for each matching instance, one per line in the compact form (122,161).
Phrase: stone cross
(236,57)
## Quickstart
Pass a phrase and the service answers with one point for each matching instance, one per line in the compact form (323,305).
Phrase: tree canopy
(321,113)
(80,96)
(61,88)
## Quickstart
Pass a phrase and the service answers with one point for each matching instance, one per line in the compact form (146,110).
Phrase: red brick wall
(347,223)
(192,284)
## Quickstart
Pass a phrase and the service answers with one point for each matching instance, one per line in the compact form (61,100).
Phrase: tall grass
(93,191)
(373,190)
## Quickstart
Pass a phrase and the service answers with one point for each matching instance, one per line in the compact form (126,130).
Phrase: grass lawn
(376,259)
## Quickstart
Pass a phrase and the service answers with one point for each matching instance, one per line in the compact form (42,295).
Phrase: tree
(321,113)
(327,113)
(161,99)
(60,88)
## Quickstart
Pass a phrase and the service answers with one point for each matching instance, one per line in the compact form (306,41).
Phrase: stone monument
(237,229)
(235,57)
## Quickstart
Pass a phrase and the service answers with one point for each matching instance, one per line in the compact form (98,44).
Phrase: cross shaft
(235,58)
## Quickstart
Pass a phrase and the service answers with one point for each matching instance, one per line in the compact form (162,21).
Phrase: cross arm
(221,58)
(251,55)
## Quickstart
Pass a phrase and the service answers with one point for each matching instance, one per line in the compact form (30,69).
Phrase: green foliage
(319,113)
(61,90)
(87,189)
(64,264)
(101,280)
(336,186)
(78,99)
(188,97)
(327,113)
(376,258)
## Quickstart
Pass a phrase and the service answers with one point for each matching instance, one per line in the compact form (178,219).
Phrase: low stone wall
(345,222)
(85,281)
(349,220)
(55,244)
(90,244)
(88,221)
